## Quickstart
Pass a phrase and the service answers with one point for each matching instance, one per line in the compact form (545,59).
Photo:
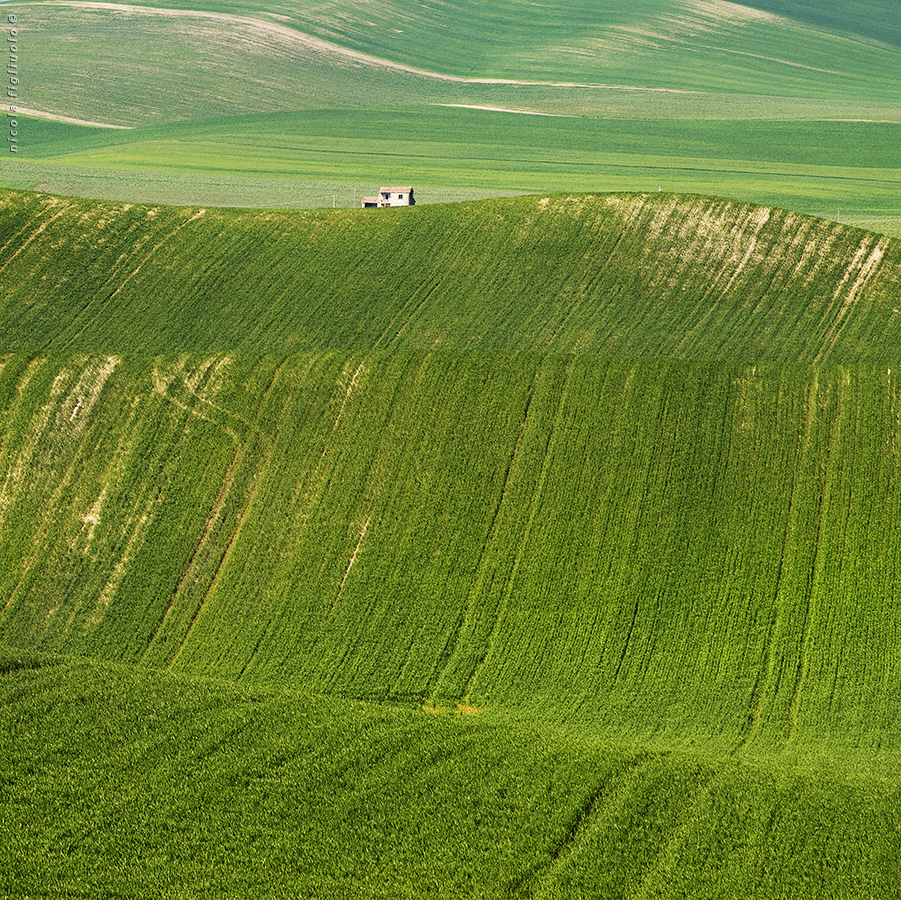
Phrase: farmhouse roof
(368,199)
(396,190)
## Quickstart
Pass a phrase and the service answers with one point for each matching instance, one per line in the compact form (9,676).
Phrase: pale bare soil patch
(40,114)
(505,109)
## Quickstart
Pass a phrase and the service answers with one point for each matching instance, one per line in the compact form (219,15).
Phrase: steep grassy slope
(655,276)
(693,564)
(681,554)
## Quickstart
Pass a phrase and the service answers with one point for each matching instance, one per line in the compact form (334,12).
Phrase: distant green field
(689,97)
(654,44)
(158,66)
(797,165)
(197,189)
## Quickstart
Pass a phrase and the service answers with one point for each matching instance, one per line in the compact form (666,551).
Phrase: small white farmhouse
(390,196)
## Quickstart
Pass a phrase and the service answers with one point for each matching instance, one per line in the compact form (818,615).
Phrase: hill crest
(652,275)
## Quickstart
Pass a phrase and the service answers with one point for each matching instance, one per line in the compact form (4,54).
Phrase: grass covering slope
(683,554)
(616,477)
(653,276)
(189,787)
(688,60)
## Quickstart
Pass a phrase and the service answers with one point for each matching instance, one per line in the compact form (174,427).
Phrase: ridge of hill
(631,275)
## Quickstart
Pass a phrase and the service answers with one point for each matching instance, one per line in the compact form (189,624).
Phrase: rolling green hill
(675,554)
(631,275)
(544,547)
(137,784)
(535,547)
(653,44)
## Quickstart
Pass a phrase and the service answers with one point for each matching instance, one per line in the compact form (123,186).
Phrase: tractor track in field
(611,790)
(56,117)
(668,850)
(146,258)
(823,503)
(417,307)
(212,519)
(536,494)
(350,564)
(479,576)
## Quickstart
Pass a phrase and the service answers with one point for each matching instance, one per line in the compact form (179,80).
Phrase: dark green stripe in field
(486,137)
(631,275)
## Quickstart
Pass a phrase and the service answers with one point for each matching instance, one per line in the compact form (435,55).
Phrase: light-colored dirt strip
(52,202)
(350,565)
(40,114)
(214,517)
(139,526)
(505,109)
(861,268)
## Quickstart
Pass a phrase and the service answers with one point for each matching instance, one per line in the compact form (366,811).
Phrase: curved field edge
(120,781)
(684,555)
(628,275)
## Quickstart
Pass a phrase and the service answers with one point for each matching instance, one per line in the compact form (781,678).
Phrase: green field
(198,788)
(799,109)
(671,45)
(532,547)
(682,555)
(654,275)
(798,165)
(543,545)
